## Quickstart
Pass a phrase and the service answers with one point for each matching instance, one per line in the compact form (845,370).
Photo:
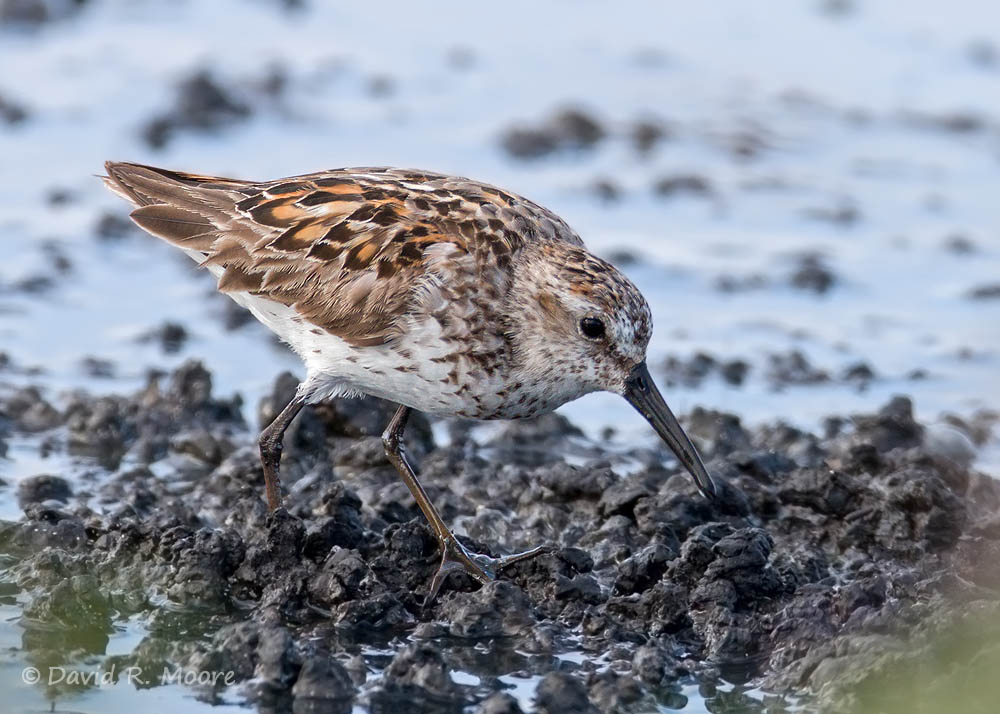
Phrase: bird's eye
(592,328)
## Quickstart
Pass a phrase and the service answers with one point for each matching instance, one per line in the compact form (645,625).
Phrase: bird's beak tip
(642,394)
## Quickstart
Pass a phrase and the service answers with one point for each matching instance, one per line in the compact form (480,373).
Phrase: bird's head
(580,326)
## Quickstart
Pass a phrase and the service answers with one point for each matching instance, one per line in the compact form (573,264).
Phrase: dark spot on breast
(419,231)
(373,194)
(496,224)
(422,204)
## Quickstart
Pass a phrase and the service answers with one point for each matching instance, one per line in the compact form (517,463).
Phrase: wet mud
(821,559)
(839,567)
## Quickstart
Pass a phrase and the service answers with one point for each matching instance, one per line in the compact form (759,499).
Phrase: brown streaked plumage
(439,293)
(311,241)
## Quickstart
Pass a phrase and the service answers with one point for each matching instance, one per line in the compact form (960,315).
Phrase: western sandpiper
(437,293)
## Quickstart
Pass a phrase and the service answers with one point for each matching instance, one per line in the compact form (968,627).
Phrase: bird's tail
(185,209)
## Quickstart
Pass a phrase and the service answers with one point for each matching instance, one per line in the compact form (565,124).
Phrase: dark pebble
(525,143)
(844,214)
(11,112)
(815,546)
(794,368)
(417,677)
(681,184)
(959,244)
(812,274)
(500,703)
(646,134)
(606,190)
(559,693)
(98,367)
(171,337)
(569,129)
(990,291)
(324,685)
(41,488)
(202,103)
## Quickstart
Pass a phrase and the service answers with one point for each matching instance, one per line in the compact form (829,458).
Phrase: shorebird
(438,293)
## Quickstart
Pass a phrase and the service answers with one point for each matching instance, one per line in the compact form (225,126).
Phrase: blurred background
(805,190)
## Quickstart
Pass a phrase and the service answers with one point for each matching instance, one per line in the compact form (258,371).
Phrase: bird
(437,293)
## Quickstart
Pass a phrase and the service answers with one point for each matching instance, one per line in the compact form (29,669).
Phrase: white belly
(416,370)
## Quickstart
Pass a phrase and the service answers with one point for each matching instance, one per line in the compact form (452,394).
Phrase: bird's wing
(348,249)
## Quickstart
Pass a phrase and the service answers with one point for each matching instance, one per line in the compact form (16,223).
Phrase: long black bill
(641,393)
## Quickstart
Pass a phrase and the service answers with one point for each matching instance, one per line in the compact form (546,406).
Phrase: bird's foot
(484,568)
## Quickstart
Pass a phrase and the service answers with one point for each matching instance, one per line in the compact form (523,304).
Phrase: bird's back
(389,281)
(346,248)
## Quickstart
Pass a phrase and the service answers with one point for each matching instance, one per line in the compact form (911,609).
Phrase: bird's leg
(270,450)
(454,556)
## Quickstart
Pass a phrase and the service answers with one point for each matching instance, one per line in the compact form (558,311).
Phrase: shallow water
(789,112)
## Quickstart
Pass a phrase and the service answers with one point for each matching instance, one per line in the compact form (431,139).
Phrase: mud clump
(566,130)
(676,185)
(692,371)
(646,134)
(170,336)
(12,112)
(41,488)
(812,274)
(813,566)
(34,13)
(203,104)
(989,291)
